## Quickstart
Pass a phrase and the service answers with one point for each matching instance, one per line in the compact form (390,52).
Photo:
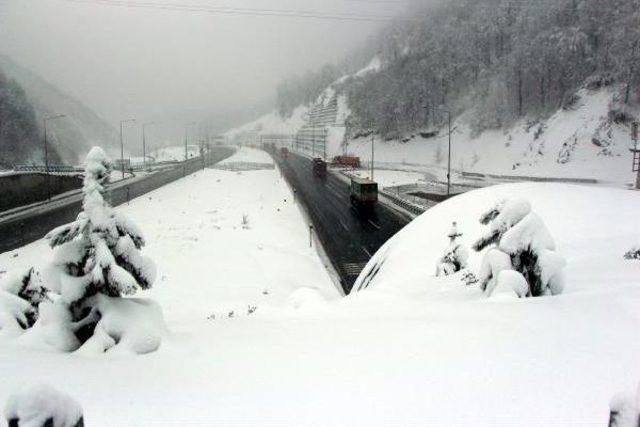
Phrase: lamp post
(122,144)
(186,136)
(444,110)
(46,151)
(373,135)
(144,145)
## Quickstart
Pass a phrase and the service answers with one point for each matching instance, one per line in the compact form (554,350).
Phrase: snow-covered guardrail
(52,168)
(243,166)
(406,205)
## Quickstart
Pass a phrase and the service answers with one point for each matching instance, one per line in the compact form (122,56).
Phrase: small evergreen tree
(455,257)
(20,298)
(98,253)
(518,235)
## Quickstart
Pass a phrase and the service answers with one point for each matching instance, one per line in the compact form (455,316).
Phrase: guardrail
(52,168)
(518,178)
(243,166)
(406,205)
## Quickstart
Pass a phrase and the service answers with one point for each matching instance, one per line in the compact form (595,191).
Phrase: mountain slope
(19,134)
(73,136)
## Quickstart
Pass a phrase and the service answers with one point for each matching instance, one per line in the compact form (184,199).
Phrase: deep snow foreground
(409,351)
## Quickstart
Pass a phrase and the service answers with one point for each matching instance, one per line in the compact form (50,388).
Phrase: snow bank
(36,404)
(127,326)
(592,227)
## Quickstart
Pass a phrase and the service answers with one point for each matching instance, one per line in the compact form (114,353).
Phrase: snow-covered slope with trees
(532,91)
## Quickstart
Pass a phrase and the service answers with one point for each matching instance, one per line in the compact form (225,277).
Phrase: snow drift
(592,227)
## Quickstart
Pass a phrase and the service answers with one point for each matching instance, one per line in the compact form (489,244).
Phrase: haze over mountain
(70,137)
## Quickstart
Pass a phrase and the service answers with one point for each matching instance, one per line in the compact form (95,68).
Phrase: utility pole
(144,145)
(122,144)
(325,144)
(449,152)
(373,135)
(46,153)
(186,138)
(313,140)
(635,151)
(186,130)
(449,157)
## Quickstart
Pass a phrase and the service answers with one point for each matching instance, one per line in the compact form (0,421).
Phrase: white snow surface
(175,153)
(408,351)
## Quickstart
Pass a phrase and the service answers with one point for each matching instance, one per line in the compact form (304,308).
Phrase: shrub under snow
(519,241)
(20,298)
(625,410)
(455,256)
(43,406)
(97,261)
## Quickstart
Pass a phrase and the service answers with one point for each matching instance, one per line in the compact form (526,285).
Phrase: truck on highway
(348,161)
(319,167)
(364,194)
(284,152)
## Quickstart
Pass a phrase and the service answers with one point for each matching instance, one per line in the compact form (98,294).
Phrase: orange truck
(350,161)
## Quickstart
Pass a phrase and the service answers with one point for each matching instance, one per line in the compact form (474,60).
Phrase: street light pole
(449,151)
(186,135)
(122,144)
(372,152)
(46,152)
(144,145)
(449,157)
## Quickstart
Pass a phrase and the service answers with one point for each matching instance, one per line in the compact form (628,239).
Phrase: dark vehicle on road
(284,152)
(319,167)
(364,194)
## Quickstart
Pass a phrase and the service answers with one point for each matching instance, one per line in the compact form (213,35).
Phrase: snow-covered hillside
(78,131)
(272,123)
(580,142)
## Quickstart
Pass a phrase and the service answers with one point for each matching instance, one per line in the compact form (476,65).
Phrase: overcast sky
(146,63)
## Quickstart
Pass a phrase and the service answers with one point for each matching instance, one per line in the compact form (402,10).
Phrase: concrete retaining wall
(22,189)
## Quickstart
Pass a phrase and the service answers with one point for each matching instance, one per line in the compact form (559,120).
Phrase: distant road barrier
(29,225)
(52,168)
(243,166)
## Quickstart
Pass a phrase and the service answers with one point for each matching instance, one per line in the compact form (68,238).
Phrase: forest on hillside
(500,60)
(20,138)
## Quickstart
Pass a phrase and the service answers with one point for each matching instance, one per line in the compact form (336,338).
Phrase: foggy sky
(150,64)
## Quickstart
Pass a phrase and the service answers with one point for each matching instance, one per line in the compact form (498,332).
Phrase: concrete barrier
(22,189)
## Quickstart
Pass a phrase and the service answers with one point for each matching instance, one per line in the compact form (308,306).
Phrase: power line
(245,11)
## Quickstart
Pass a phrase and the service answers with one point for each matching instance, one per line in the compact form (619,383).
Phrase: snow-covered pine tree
(517,232)
(98,253)
(456,255)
